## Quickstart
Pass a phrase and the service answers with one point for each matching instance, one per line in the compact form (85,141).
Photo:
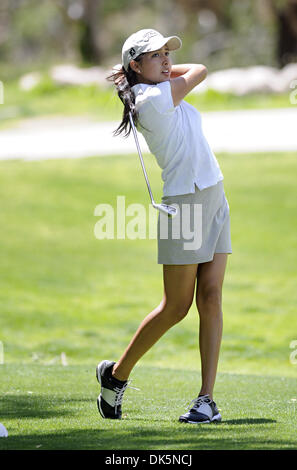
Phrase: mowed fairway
(64,291)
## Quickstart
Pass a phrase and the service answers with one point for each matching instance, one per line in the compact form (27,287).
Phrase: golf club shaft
(140,157)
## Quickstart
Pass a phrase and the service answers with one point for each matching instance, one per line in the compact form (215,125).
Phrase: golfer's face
(155,67)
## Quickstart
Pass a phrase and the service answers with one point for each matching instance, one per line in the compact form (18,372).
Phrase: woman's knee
(177,309)
(209,298)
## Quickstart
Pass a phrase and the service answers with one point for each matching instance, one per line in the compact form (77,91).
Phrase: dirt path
(74,137)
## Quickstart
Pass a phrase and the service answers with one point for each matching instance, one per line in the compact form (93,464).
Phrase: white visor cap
(146,40)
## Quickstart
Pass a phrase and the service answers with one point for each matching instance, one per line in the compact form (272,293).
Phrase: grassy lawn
(64,291)
(51,407)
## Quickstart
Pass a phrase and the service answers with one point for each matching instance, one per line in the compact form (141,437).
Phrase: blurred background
(49,48)
(67,298)
(224,33)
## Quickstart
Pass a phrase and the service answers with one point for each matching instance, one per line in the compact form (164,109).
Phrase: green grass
(102,103)
(42,415)
(63,290)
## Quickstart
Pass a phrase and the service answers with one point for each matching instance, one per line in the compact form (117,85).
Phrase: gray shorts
(200,229)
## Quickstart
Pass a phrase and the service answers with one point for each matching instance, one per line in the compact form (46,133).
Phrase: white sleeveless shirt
(174,135)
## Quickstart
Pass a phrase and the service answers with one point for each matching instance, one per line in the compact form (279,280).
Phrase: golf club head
(169,210)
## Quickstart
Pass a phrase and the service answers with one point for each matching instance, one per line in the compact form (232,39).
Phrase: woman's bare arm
(183,78)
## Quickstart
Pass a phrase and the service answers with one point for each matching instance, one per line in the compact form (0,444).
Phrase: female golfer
(153,89)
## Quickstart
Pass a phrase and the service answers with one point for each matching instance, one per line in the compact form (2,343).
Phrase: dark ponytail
(123,81)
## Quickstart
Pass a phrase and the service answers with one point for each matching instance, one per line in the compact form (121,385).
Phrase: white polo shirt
(174,135)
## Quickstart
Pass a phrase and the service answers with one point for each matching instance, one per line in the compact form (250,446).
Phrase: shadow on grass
(65,416)
(131,433)
(189,438)
(42,407)
(251,421)
(241,421)
(16,406)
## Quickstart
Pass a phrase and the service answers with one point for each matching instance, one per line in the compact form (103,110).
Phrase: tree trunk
(287,27)
(88,44)
(286,18)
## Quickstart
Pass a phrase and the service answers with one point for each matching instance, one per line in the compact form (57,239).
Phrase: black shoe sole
(216,419)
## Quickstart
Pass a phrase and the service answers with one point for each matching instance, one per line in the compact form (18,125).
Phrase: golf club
(170,210)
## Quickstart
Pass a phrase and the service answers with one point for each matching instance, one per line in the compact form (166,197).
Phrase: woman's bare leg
(179,286)
(210,279)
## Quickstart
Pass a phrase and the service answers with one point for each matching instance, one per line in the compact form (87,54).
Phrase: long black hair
(123,81)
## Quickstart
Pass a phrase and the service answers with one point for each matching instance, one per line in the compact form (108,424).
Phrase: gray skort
(200,229)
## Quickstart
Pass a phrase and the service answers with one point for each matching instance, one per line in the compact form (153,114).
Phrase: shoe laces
(120,393)
(198,402)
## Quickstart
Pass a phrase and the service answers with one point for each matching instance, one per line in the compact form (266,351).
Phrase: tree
(88,44)
(86,15)
(286,17)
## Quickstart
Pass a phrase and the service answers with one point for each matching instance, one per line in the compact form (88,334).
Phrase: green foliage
(44,31)
(45,87)
(48,98)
